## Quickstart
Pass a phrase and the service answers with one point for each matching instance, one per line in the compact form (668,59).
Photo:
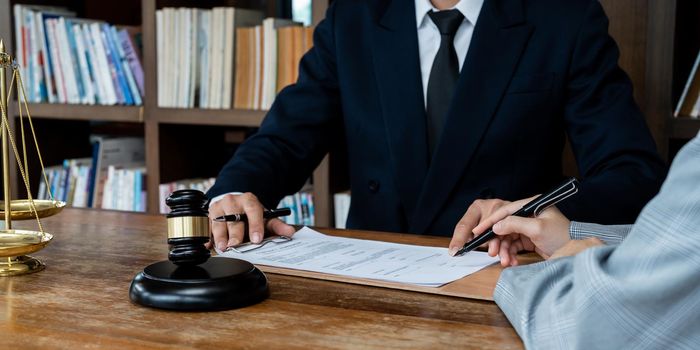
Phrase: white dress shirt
(429,42)
(429,35)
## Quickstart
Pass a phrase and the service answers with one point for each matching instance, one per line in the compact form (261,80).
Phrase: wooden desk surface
(81,301)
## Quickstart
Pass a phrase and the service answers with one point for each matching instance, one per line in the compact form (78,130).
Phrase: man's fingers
(514,247)
(234,230)
(494,246)
(504,252)
(500,213)
(529,227)
(219,235)
(219,232)
(496,216)
(254,211)
(514,260)
(463,231)
(278,227)
(517,245)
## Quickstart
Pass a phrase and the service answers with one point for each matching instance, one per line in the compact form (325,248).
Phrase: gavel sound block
(189,280)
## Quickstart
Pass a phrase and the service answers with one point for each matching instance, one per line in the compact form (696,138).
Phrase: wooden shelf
(225,117)
(132,114)
(683,128)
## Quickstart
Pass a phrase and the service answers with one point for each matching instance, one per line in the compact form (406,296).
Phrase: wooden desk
(81,300)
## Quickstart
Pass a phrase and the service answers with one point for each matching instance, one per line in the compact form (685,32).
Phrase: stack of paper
(313,251)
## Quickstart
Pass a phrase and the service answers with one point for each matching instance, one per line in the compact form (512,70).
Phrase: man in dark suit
(443,102)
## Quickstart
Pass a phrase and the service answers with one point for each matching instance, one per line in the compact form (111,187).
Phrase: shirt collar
(469,8)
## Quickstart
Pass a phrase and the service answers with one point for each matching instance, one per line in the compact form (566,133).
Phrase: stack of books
(79,61)
(689,103)
(69,182)
(302,206)
(166,189)
(125,189)
(114,178)
(267,60)
(225,57)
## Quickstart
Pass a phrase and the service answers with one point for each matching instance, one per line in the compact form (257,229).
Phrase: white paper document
(310,250)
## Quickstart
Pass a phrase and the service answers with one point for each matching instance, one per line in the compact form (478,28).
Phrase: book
(81,53)
(225,57)
(32,50)
(160,58)
(293,43)
(67,182)
(245,58)
(76,86)
(61,61)
(132,54)
(302,207)
(239,18)
(123,189)
(127,152)
(270,59)
(125,67)
(203,50)
(116,67)
(62,94)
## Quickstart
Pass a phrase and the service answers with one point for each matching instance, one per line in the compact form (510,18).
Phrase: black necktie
(443,74)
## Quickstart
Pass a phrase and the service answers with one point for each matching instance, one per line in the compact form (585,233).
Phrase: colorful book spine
(132,59)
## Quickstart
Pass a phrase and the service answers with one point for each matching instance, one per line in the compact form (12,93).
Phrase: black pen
(267,214)
(567,189)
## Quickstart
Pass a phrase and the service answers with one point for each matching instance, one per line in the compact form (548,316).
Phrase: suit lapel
(499,40)
(397,68)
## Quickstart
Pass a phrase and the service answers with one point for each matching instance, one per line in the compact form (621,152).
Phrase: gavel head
(188,227)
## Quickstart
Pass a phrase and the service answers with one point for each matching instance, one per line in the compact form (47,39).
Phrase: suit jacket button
(487,194)
(373,186)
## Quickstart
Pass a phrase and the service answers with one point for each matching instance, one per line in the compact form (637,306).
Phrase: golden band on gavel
(188,226)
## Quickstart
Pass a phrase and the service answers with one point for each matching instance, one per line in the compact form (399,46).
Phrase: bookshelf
(154,122)
(658,40)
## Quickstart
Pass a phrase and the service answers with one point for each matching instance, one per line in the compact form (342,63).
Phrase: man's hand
(576,246)
(544,234)
(227,234)
(476,213)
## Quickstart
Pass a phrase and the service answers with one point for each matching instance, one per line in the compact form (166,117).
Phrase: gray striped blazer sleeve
(641,294)
(610,234)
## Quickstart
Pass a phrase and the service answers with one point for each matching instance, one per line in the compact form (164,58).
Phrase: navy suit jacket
(536,71)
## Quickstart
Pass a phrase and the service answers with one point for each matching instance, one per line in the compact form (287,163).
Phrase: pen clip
(250,246)
(565,192)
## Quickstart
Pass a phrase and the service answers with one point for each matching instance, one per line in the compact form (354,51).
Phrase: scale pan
(22,242)
(21,210)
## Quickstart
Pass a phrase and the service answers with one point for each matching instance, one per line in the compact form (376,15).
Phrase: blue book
(64,181)
(74,59)
(29,69)
(128,75)
(112,69)
(49,58)
(114,56)
(93,172)
(136,205)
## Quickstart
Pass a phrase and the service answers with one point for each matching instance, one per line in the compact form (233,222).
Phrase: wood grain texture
(81,301)
(132,114)
(628,26)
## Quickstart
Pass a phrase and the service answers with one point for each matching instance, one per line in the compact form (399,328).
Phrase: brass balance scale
(16,244)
